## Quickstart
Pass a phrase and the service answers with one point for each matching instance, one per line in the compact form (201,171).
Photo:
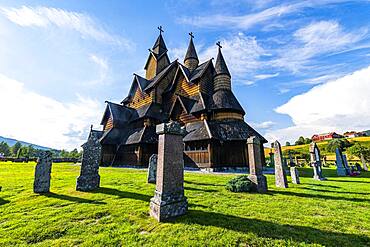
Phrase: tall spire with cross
(158,58)
(159,46)
(222,78)
(191,60)
(220,66)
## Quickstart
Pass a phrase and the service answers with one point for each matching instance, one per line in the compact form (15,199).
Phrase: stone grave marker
(255,164)
(89,178)
(316,161)
(152,169)
(345,163)
(294,175)
(42,173)
(169,200)
(341,170)
(280,175)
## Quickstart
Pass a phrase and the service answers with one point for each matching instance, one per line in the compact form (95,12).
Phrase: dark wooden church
(197,95)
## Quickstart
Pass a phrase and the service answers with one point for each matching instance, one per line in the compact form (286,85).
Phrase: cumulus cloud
(241,52)
(315,39)
(39,119)
(44,17)
(338,105)
(264,125)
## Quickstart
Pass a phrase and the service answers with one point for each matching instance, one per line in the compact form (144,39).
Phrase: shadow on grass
(202,190)
(71,198)
(3,201)
(319,196)
(123,194)
(266,229)
(350,181)
(338,192)
(204,184)
(325,185)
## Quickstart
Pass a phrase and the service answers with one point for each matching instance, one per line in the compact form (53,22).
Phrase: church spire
(222,79)
(159,46)
(158,58)
(191,60)
(220,66)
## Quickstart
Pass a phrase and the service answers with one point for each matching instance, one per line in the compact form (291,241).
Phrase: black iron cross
(160,29)
(191,34)
(219,44)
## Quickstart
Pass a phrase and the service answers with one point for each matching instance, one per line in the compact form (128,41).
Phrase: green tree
(5,149)
(342,144)
(300,141)
(357,150)
(287,144)
(15,148)
(307,140)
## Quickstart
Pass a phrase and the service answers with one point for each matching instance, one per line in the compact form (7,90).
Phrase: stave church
(198,95)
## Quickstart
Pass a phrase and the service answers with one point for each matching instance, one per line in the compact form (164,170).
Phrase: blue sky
(298,67)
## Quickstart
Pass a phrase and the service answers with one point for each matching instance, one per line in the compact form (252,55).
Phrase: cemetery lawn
(328,213)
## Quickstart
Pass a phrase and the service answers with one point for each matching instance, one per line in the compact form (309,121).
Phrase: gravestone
(280,175)
(345,163)
(296,161)
(152,169)
(89,178)
(255,164)
(291,162)
(169,200)
(341,170)
(294,175)
(363,161)
(316,161)
(358,167)
(42,173)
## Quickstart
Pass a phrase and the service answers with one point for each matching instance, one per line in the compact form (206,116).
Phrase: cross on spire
(191,35)
(160,29)
(219,44)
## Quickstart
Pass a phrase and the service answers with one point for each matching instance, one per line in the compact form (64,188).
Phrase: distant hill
(11,142)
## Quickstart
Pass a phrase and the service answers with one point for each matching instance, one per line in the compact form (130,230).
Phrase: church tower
(191,60)
(222,79)
(158,58)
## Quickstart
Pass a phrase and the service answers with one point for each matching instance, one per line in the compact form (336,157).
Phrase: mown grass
(328,213)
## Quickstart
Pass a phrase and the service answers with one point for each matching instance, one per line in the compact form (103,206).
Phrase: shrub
(240,184)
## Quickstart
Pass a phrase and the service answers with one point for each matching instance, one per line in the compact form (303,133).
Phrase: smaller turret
(191,60)
(222,79)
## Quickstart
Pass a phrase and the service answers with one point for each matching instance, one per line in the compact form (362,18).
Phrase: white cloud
(251,19)
(45,17)
(103,69)
(241,53)
(266,76)
(264,125)
(338,105)
(41,120)
(315,39)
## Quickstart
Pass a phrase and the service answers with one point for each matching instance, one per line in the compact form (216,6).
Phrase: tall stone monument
(152,169)
(316,161)
(280,175)
(42,173)
(346,166)
(363,161)
(255,164)
(89,178)
(341,170)
(294,175)
(169,200)
(272,155)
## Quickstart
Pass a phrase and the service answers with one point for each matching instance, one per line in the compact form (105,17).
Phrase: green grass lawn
(328,213)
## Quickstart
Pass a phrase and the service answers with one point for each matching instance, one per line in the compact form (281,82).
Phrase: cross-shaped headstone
(160,30)
(191,34)
(219,44)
